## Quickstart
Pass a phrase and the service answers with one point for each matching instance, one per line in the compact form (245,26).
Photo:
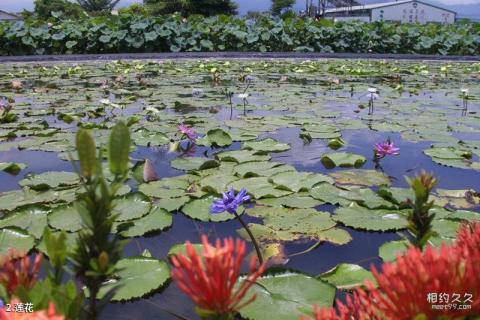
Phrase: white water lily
(152,109)
(243,95)
(373,93)
(197,93)
(464,91)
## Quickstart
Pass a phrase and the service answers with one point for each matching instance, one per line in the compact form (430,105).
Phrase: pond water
(418,107)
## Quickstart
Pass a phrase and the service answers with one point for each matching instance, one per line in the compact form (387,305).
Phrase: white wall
(359,18)
(413,12)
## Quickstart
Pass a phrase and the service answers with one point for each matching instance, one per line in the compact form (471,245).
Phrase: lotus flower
(15,271)
(229,201)
(149,173)
(409,287)
(188,132)
(210,278)
(49,314)
(386,148)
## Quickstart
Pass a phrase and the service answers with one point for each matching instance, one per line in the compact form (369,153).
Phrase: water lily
(210,278)
(229,202)
(49,314)
(187,132)
(386,148)
(249,78)
(16,271)
(407,287)
(243,95)
(149,173)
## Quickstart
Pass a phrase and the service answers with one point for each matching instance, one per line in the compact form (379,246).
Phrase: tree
(189,7)
(98,5)
(44,8)
(279,6)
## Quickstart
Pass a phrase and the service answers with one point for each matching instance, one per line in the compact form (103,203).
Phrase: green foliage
(97,251)
(420,218)
(133,33)
(44,9)
(279,6)
(98,5)
(190,7)
(134,9)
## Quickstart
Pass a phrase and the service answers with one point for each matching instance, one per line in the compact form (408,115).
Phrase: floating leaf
(259,187)
(342,159)
(390,250)
(218,137)
(363,218)
(194,163)
(138,276)
(361,177)
(298,181)
(200,209)
(49,180)
(15,238)
(266,145)
(132,206)
(12,168)
(65,217)
(346,276)
(158,219)
(240,156)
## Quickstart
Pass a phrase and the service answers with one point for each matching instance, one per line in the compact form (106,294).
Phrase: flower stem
(254,241)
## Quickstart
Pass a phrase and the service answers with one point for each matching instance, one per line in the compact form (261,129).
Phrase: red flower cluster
(210,279)
(16,271)
(49,314)
(414,283)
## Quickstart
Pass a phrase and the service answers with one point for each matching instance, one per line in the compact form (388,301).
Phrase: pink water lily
(188,132)
(386,148)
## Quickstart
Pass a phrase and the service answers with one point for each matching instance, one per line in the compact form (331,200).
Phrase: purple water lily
(386,148)
(188,132)
(229,201)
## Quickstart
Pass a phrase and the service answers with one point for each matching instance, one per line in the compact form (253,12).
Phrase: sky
(245,5)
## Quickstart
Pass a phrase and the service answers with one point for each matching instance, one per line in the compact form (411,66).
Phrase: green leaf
(298,181)
(287,296)
(342,159)
(12,168)
(119,149)
(194,163)
(15,238)
(32,218)
(390,250)
(158,219)
(138,276)
(241,156)
(259,187)
(200,209)
(362,218)
(86,152)
(347,276)
(266,145)
(361,177)
(50,180)
(218,137)
(181,249)
(133,206)
(65,217)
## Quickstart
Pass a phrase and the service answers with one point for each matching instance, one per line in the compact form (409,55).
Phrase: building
(403,11)
(8,16)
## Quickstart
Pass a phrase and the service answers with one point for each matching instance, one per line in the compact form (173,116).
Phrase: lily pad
(32,218)
(49,180)
(298,181)
(363,218)
(266,145)
(200,209)
(259,187)
(15,238)
(156,220)
(132,206)
(218,137)
(65,217)
(347,276)
(287,296)
(194,163)
(298,200)
(138,276)
(241,156)
(361,177)
(12,168)
(342,159)
(390,250)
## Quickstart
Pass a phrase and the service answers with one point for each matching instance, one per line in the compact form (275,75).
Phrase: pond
(297,134)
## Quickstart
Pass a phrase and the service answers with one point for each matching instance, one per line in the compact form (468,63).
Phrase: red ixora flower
(210,279)
(49,314)
(16,270)
(417,282)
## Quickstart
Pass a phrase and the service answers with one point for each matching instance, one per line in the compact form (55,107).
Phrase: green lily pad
(138,276)
(342,159)
(287,296)
(65,217)
(12,168)
(200,209)
(132,206)
(32,218)
(49,180)
(172,204)
(259,187)
(346,276)
(15,238)
(297,200)
(328,193)
(153,190)
(217,183)
(390,250)
(266,145)
(363,218)
(241,156)
(361,177)
(194,163)
(181,249)
(156,220)
(298,181)
(260,168)
(218,137)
